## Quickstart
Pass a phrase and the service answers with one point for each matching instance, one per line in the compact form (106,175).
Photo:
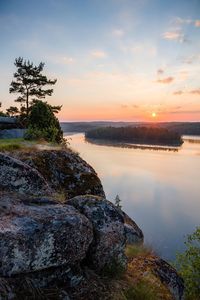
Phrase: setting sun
(153,115)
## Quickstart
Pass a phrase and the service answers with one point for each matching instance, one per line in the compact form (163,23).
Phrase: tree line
(141,135)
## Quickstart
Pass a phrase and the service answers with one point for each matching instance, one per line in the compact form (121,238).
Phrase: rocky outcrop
(16,176)
(64,171)
(157,273)
(54,250)
(109,240)
(170,277)
(34,238)
(133,233)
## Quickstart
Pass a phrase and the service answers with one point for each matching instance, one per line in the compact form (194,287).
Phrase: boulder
(34,238)
(17,176)
(108,245)
(133,233)
(113,229)
(64,171)
(169,276)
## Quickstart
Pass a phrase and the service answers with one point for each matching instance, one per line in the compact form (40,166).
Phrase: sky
(118,60)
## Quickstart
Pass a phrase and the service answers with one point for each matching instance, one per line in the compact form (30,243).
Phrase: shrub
(137,250)
(141,291)
(43,124)
(188,264)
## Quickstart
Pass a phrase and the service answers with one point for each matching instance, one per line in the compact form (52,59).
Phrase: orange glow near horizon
(84,114)
(154,115)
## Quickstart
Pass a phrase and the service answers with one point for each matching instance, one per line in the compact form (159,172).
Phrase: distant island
(136,135)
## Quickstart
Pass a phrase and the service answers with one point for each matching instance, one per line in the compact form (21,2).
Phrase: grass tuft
(141,291)
(137,250)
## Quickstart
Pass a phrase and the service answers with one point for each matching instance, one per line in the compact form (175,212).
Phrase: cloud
(174,35)
(98,54)
(118,32)
(143,49)
(184,112)
(68,60)
(178,93)
(197,23)
(191,59)
(195,92)
(166,80)
(180,21)
(129,106)
(124,106)
(60,59)
(160,71)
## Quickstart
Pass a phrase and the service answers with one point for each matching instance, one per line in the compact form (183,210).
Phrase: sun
(153,115)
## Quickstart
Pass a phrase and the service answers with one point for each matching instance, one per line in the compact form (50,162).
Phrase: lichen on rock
(33,238)
(18,176)
(110,230)
(64,171)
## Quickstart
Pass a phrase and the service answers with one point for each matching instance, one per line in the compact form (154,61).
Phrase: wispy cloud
(180,21)
(118,32)
(160,71)
(124,106)
(129,106)
(98,54)
(68,60)
(140,49)
(197,23)
(195,92)
(174,35)
(61,59)
(166,80)
(178,92)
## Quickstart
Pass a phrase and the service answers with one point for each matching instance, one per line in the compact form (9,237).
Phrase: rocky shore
(60,238)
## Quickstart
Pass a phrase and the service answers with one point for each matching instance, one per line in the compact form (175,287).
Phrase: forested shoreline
(136,135)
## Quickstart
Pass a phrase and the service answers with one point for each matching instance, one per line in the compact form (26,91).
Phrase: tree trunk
(27,104)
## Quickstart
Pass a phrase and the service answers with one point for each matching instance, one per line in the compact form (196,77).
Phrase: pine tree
(29,82)
(118,202)
(12,111)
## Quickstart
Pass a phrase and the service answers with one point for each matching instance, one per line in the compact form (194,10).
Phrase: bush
(141,291)
(137,250)
(43,124)
(188,264)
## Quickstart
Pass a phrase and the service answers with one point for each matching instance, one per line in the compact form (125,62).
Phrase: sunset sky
(113,59)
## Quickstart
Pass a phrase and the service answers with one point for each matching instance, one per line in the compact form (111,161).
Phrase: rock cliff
(59,236)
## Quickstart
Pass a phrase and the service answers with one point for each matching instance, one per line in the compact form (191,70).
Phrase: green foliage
(29,82)
(10,144)
(12,111)
(2,114)
(188,264)
(118,202)
(141,291)
(136,250)
(141,135)
(42,124)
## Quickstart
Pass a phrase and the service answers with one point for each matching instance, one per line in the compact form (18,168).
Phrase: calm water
(160,190)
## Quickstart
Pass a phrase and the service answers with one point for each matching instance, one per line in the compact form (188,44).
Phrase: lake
(159,189)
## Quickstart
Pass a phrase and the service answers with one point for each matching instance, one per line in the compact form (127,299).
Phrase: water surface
(159,189)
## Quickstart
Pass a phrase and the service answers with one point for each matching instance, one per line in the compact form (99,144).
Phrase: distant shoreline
(149,136)
(132,146)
